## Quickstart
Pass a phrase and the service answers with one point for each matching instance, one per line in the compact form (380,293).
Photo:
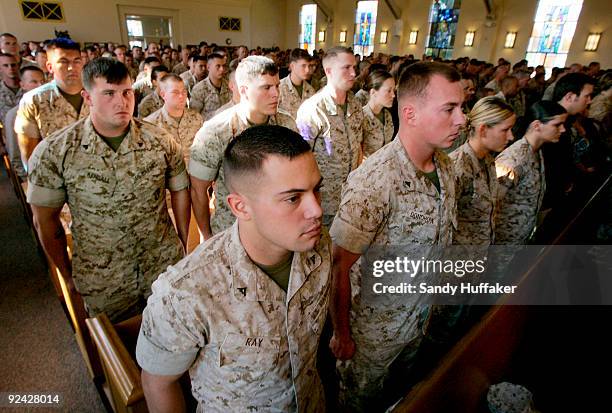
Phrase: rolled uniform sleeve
(166,346)
(45,181)
(309,123)
(177,178)
(206,155)
(361,214)
(25,122)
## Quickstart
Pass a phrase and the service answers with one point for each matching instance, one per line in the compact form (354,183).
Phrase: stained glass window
(553,29)
(308,27)
(365,27)
(443,18)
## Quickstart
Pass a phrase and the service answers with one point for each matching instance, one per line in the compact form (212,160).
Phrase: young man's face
(31,80)
(9,45)
(174,94)
(41,60)
(262,94)
(579,103)
(66,66)
(9,68)
(216,69)
(438,114)
(285,205)
(199,69)
(111,104)
(341,72)
(300,69)
(120,54)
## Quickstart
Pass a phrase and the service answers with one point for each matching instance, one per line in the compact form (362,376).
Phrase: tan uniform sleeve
(177,178)
(45,181)
(26,120)
(206,155)
(166,344)
(362,211)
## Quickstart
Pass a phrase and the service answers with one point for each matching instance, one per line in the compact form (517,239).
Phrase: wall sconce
(412,39)
(469,39)
(510,39)
(592,42)
(383,36)
(343,36)
(322,36)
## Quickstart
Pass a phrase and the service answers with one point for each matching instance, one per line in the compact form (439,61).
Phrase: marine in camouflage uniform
(150,104)
(362,97)
(183,131)
(336,140)
(224,107)
(376,134)
(44,110)
(8,99)
(123,236)
(290,100)
(388,202)
(206,98)
(477,192)
(522,184)
(207,155)
(247,344)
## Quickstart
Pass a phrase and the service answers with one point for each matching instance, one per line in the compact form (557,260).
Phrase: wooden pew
(122,385)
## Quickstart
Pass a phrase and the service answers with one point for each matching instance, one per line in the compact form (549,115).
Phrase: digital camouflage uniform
(143,88)
(12,144)
(290,100)
(206,99)
(8,99)
(189,80)
(123,236)
(388,202)
(224,107)
(522,184)
(207,155)
(248,345)
(376,134)
(362,96)
(477,189)
(336,141)
(183,131)
(150,104)
(44,110)
(180,68)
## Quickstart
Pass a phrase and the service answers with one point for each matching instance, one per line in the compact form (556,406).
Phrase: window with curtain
(443,18)
(553,29)
(365,27)
(308,27)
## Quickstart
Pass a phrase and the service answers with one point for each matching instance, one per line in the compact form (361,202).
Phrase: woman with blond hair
(377,120)
(489,130)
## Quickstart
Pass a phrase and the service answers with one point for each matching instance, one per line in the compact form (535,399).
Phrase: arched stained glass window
(443,18)
(308,27)
(365,27)
(553,29)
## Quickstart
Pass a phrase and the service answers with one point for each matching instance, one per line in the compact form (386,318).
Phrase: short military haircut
(334,52)
(414,80)
(30,68)
(214,56)
(151,59)
(62,43)
(508,81)
(298,54)
(245,155)
(121,46)
(252,67)
(113,71)
(571,83)
(170,77)
(157,70)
